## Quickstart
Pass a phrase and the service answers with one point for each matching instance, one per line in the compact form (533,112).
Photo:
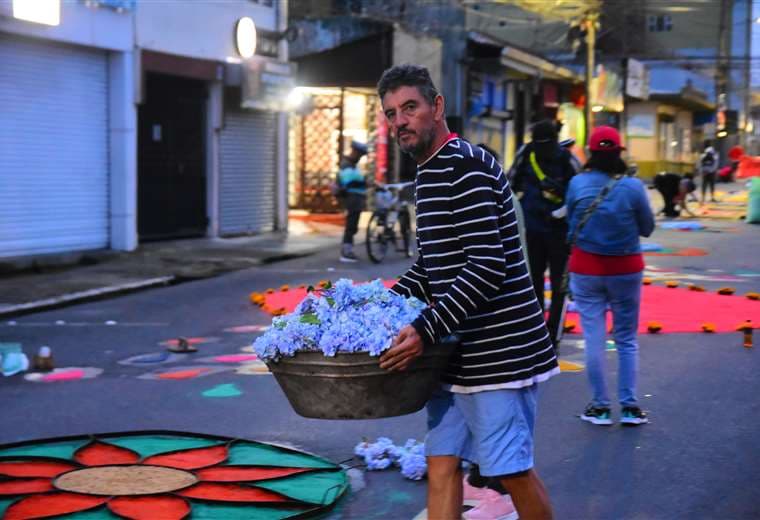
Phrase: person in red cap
(607,212)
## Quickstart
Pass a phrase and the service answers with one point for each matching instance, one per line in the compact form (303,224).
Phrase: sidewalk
(98,274)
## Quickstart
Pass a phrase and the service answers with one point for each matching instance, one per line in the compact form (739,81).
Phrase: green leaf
(310,289)
(328,285)
(310,318)
(331,301)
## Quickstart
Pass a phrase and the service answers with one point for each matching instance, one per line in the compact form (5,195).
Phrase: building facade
(130,121)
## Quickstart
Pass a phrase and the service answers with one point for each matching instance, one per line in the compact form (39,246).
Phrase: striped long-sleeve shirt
(472,272)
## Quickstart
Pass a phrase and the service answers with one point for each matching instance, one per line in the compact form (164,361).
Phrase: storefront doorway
(171,187)
(321,131)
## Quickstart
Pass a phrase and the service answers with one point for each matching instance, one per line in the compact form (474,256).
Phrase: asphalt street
(699,457)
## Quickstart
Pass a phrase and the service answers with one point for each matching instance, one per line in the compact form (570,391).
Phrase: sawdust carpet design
(678,310)
(166,475)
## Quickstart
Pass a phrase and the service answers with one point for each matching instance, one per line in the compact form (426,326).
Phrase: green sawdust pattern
(58,450)
(315,488)
(155,444)
(264,455)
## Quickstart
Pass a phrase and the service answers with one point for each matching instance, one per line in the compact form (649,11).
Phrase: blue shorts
(493,429)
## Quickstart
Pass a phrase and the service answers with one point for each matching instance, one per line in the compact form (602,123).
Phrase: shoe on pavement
(349,257)
(499,507)
(633,415)
(182,347)
(472,496)
(597,415)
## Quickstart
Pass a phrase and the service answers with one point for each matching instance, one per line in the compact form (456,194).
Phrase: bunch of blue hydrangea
(340,318)
(412,460)
(381,454)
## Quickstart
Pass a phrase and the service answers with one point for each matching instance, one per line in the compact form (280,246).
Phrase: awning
(684,99)
(519,60)
(534,65)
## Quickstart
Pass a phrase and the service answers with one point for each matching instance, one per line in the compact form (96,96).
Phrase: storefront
(60,161)
(255,96)
(333,105)
(666,132)
(321,131)
(213,128)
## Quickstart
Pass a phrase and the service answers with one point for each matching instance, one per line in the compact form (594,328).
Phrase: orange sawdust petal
(232,493)
(190,459)
(101,454)
(20,487)
(654,327)
(165,507)
(243,473)
(34,468)
(43,506)
(182,374)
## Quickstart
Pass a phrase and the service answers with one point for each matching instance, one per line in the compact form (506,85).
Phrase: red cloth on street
(583,262)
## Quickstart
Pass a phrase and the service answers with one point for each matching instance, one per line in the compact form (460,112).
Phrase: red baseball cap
(604,138)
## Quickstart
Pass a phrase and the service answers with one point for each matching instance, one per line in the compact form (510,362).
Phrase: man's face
(412,119)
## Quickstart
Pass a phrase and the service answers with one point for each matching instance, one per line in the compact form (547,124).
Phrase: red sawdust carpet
(678,309)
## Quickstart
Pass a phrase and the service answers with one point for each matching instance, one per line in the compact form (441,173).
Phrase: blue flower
(343,318)
(382,453)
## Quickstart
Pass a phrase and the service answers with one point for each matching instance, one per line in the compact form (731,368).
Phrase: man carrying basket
(472,273)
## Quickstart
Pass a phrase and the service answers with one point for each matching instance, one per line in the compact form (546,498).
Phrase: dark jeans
(708,179)
(352,225)
(354,204)
(549,249)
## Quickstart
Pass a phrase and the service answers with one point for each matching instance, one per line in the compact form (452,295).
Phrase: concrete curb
(196,270)
(81,296)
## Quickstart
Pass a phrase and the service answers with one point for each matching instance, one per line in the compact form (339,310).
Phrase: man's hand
(406,348)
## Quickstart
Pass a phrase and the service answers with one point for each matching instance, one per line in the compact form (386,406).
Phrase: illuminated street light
(47,12)
(245,37)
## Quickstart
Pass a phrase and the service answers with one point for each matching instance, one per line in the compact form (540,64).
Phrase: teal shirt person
(351,179)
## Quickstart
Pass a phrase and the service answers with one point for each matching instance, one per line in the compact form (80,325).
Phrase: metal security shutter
(247,172)
(53,147)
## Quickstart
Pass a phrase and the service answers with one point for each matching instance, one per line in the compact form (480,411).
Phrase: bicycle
(390,213)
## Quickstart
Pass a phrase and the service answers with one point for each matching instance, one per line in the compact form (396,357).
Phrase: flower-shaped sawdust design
(164,475)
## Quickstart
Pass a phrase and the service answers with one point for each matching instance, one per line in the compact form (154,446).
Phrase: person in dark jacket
(541,174)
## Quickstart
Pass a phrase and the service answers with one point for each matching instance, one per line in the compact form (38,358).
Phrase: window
(659,23)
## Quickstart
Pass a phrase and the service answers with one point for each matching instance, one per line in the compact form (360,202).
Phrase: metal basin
(353,386)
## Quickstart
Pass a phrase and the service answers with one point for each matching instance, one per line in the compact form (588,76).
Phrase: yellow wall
(644,150)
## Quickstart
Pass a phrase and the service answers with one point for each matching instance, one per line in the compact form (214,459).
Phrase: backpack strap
(582,222)
(541,176)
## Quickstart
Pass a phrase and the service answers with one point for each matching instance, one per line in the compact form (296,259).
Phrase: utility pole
(747,75)
(721,77)
(589,23)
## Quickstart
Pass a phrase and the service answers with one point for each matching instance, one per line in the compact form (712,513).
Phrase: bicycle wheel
(377,241)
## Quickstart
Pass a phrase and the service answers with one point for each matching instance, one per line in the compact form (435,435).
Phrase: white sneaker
(349,258)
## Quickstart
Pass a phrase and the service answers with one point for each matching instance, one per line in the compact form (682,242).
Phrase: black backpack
(708,161)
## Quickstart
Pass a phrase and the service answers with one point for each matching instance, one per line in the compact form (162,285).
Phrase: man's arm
(475,211)
(414,282)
